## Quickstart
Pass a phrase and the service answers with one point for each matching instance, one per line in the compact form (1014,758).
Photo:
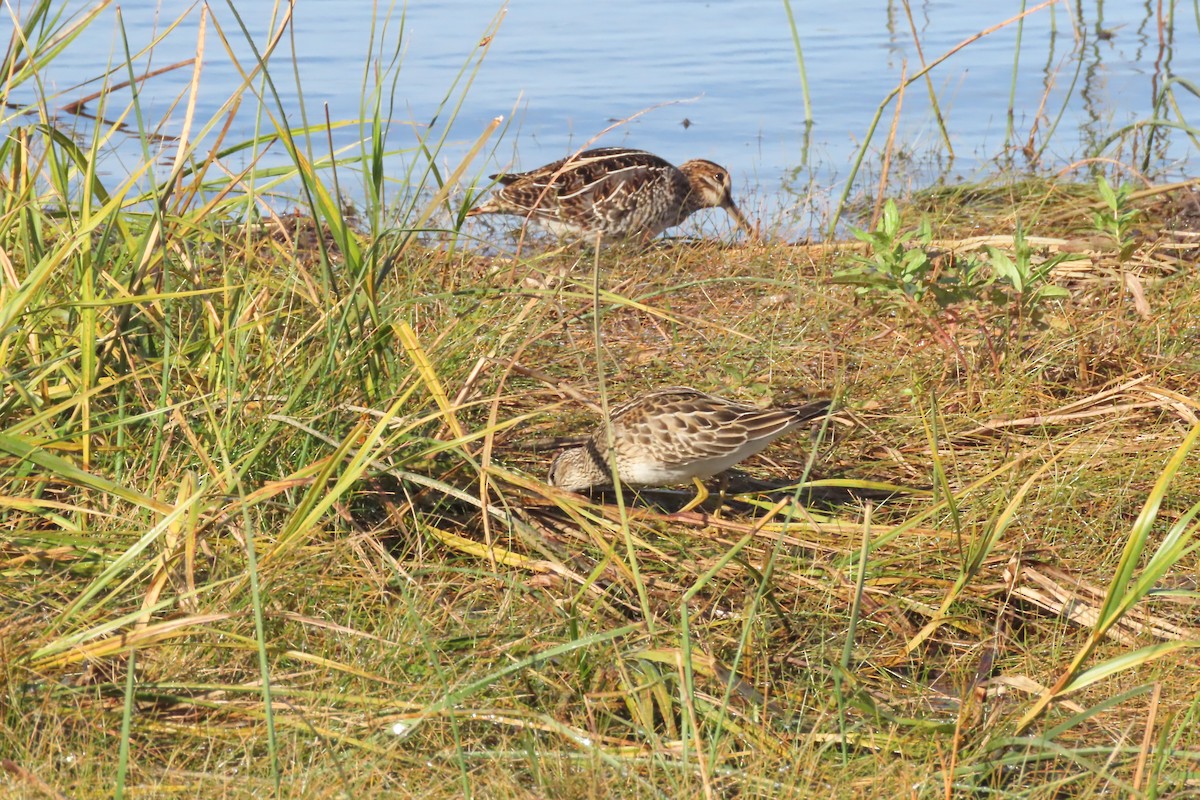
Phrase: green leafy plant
(1001,289)
(1117,218)
(893,267)
(1020,285)
(896,268)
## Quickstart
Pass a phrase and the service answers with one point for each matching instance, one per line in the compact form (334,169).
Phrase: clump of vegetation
(1000,290)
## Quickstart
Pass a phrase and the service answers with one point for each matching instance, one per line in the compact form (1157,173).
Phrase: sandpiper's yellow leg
(701,496)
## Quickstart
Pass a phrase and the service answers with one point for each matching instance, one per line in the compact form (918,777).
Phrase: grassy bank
(253,533)
(273,517)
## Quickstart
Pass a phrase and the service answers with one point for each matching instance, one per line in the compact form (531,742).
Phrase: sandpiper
(613,193)
(675,435)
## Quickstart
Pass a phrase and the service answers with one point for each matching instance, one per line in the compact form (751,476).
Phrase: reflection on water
(722,81)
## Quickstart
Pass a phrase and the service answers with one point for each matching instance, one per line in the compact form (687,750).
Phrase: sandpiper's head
(572,469)
(712,188)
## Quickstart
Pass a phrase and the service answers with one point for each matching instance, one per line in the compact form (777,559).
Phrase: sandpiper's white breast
(649,473)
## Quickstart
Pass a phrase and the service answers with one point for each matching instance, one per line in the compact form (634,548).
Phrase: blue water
(720,79)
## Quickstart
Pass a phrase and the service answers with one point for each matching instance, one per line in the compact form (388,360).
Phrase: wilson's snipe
(676,435)
(615,192)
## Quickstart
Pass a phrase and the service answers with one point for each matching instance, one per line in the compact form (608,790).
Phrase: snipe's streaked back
(676,435)
(615,192)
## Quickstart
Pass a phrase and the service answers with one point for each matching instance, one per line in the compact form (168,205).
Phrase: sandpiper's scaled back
(676,435)
(614,192)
